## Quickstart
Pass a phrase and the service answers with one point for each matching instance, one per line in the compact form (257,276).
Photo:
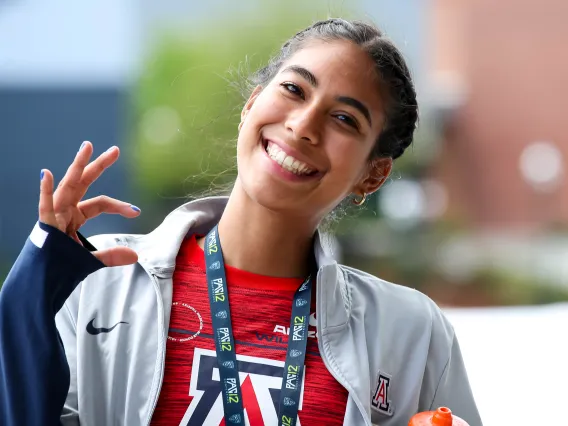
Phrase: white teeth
(280,157)
(287,161)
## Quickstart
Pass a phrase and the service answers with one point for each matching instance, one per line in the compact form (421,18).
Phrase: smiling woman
(279,333)
(318,110)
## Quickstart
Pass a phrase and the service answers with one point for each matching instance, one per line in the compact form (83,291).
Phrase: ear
(249,104)
(378,170)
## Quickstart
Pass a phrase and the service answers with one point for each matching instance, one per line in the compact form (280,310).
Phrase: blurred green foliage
(410,257)
(188,99)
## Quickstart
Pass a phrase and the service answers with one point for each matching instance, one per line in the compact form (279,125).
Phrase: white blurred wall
(517,362)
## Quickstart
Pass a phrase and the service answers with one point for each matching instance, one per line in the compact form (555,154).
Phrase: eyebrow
(303,72)
(311,78)
(356,104)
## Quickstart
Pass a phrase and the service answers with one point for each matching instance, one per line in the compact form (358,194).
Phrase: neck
(258,240)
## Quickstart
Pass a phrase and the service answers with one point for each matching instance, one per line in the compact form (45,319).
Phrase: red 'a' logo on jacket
(381,399)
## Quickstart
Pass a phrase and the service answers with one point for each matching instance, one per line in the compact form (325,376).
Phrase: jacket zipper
(154,279)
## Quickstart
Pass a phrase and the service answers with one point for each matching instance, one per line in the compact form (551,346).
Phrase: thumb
(117,256)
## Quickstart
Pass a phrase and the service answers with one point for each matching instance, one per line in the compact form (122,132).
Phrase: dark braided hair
(401,106)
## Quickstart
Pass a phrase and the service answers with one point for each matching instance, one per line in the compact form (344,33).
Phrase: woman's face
(305,139)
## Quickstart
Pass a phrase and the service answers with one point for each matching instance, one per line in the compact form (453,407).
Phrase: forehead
(342,68)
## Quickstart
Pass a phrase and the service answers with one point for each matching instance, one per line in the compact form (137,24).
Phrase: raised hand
(64,210)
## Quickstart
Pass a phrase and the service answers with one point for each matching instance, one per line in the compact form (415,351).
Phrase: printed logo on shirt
(282,329)
(174,333)
(381,399)
(261,381)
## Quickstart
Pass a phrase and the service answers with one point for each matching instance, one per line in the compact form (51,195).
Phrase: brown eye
(293,89)
(348,120)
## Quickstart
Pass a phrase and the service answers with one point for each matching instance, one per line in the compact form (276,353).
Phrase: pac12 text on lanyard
(291,390)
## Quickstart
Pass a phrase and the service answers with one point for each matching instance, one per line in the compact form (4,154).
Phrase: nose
(304,124)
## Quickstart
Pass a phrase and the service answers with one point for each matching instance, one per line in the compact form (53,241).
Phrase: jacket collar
(158,249)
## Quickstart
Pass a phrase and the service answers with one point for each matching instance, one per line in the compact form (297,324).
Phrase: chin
(271,195)
(288,204)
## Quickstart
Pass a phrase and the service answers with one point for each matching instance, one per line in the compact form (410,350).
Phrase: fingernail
(41,175)
(82,145)
(111,148)
(136,209)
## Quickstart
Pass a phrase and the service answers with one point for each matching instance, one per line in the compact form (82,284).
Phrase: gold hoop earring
(361,201)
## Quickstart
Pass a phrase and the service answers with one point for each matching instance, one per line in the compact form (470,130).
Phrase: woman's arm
(34,373)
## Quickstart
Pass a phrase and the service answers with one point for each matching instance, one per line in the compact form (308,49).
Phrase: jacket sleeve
(453,389)
(34,373)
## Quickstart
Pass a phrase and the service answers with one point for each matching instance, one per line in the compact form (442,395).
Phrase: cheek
(267,109)
(347,159)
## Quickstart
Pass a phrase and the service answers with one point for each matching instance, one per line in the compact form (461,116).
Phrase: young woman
(231,312)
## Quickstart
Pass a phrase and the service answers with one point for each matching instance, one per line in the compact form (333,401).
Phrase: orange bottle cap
(441,417)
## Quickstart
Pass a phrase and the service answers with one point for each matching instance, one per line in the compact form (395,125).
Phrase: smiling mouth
(286,161)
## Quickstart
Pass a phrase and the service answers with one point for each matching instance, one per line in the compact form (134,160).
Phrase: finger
(75,170)
(103,204)
(69,188)
(94,170)
(46,211)
(117,256)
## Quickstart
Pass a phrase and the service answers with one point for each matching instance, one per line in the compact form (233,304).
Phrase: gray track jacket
(390,346)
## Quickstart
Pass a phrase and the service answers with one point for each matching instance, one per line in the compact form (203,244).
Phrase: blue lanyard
(290,392)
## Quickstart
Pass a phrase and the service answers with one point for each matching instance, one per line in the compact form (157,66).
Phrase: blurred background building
(503,147)
(66,74)
(475,214)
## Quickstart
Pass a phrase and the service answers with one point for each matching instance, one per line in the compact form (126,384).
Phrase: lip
(276,169)
(290,151)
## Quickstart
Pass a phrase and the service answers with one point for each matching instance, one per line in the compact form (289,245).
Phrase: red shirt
(260,310)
